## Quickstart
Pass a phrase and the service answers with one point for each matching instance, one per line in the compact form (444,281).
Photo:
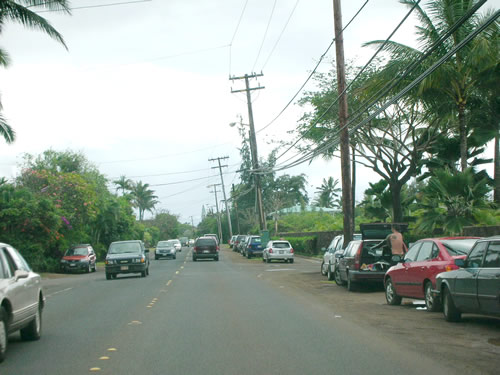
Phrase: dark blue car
(254,247)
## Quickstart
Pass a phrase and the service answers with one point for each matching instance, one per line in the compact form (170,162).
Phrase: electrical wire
(265,34)
(352,82)
(281,34)
(95,6)
(313,71)
(395,98)
(234,35)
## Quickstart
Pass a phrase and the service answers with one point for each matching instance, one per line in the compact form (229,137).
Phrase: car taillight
(291,250)
(217,248)
(357,257)
(451,267)
(195,249)
(270,251)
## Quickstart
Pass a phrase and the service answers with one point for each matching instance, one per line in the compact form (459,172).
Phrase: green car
(127,257)
(475,286)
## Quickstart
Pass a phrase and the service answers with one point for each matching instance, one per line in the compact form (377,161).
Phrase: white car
(329,261)
(177,244)
(278,250)
(21,298)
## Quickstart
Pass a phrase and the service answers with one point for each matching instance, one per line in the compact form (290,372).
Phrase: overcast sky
(143,88)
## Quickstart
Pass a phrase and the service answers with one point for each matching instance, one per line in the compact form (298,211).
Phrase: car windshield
(281,245)
(165,244)
(459,246)
(76,251)
(124,247)
(205,242)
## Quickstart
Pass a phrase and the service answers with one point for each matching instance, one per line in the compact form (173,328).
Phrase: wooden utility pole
(345,167)
(235,199)
(253,145)
(224,192)
(219,226)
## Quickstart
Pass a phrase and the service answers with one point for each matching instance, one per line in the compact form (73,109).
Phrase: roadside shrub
(305,245)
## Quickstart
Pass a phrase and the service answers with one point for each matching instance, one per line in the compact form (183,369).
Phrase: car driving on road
(21,298)
(79,258)
(165,249)
(206,248)
(127,257)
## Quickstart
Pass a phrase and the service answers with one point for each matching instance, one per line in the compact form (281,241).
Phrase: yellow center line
(104,358)
(176,272)
(95,369)
(114,349)
(169,282)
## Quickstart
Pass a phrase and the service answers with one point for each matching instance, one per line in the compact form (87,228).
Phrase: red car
(415,275)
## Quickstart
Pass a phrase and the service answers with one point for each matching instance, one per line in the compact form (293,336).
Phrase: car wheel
(175,256)
(292,260)
(432,303)
(268,260)
(156,258)
(338,279)
(216,259)
(147,271)
(89,268)
(143,274)
(329,273)
(323,273)
(34,330)
(95,267)
(108,276)
(451,313)
(194,259)
(390,294)
(248,256)
(3,333)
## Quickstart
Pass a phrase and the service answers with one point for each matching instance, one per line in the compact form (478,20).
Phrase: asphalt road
(235,316)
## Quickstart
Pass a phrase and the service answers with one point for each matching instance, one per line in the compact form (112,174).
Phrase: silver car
(165,249)
(278,250)
(21,298)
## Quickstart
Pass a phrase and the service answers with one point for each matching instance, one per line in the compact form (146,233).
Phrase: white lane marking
(282,269)
(59,291)
(312,261)
(259,275)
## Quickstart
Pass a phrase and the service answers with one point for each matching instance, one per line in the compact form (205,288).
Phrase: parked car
(206,247)
(127,257)
(414,276)
(253,246)
(237,241)
(212,235)
(21,298)
(243,244)
(278,250)
(475,286)
(360,263)
(231,241)
(329,261)
(177,244)
(79,258)
(165,249)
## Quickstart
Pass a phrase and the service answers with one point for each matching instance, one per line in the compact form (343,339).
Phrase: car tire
(33,330)
(451,313)
(390,294)
(95,267)
(89,269)
(147,271)
(175,256)
(143,274)
(3,333)
(248,256)
(108,276)
(323,273)
(329,274)
(292,260)
(431,303)
(156,258)
(338,279)
(268,260)
(216,259)
(194,259)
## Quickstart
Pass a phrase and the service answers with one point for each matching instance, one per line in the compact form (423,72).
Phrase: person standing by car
(394,241)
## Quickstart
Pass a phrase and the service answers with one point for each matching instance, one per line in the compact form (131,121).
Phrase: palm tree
(327,193)
(143,198)
(123,183)
(450,87)
(20,12)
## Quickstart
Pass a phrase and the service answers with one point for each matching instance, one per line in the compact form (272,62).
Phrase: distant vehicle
(79,258)
(206,247)
(360,263)
(475,286)
(253,246)
(231,241)
(329,261)
(414,276)
(165,249)
(177,244)
(191,242)
(212,235)
(127,257)
(278,250)
(21,298)
(237,242)
(184,241)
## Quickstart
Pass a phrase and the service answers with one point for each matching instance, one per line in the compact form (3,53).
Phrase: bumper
(165,255)
(129,268)
(279,256)
(255,252)
(68,267)
(367,276)
(205,255)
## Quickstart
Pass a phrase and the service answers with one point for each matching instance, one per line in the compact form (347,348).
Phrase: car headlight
(173,250)
(110,261)
(64,261)
(138,260)
(84,260)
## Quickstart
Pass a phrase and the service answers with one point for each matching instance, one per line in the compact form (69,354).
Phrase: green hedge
(305,245)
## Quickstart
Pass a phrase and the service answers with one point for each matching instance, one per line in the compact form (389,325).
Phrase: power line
(234,34)
(95,6)
(281,34)
(352,82)
(265,34)
(313,71)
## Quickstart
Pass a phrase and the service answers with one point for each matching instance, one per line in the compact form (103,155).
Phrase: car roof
(128,241)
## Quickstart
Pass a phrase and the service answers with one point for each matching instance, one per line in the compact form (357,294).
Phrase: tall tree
(451,86)
(143,198)
(123,184)
(328,193)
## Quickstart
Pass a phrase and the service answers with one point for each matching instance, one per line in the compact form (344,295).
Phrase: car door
(347,259)
(417,271)
(401,278)
(488,280)
(465,287)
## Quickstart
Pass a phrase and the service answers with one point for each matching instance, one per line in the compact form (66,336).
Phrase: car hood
(123,256)
(378,231)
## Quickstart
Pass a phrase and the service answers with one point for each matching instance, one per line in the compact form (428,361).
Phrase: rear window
(256,240)
(205,242)
(459,247)
(281,245)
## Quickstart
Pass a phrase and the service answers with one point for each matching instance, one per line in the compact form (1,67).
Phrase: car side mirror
(460,263)
(21,274)
(397,258)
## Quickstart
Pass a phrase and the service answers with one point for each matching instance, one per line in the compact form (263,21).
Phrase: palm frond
(4,58)
(6,131)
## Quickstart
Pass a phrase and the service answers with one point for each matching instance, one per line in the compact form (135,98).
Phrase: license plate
(124,268)
(205,251)
(72,265)
(282,252)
